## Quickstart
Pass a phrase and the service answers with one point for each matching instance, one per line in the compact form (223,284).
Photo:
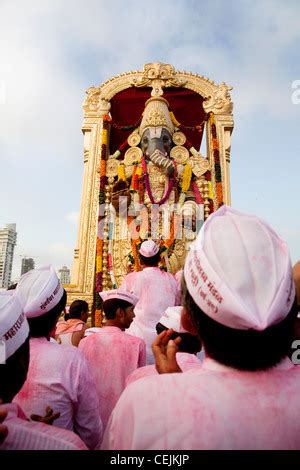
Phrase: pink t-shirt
(113,355)
(185,361)
(156,290)
(61,378)
(211,407)
(29,435)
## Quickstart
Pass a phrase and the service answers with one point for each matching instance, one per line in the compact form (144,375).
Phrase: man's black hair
(43,325)
(111,306)
(76,308)
(151,261)
(241,349)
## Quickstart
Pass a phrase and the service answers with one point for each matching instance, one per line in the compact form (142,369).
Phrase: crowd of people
(200,360)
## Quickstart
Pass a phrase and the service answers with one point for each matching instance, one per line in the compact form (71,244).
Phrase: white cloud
(51,51)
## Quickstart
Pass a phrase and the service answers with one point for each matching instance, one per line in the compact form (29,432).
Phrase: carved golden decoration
(179,138)
(96,104)
(133,155)
(158,76)
(206,199)
(121,250)
(219,102)
(177,258)
(112,167)
(199,165)
(179,154)
(134,139)
(156,114)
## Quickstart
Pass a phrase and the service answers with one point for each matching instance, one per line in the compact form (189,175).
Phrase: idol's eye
(145,141)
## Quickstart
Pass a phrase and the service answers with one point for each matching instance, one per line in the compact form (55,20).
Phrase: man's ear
(119,313)
(187,323)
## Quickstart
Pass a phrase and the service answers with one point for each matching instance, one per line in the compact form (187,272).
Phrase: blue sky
(51,51)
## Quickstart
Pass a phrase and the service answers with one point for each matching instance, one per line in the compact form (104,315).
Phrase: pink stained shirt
(113,355)
(212,407)
(30,435)
(59,376)
(186,361)
(156,290)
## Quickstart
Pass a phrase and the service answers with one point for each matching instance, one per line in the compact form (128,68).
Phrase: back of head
(42,298)
(238,274)
(14,346)
(149,253)
(77,307)
(111,306)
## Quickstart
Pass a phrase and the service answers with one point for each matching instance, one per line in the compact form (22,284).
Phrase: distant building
(27,265)
(8,240)
(64,275)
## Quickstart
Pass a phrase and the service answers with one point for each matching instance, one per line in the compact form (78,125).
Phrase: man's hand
(164,351)
(3,428)
(48,418)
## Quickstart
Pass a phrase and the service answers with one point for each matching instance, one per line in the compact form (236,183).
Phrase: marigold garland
(216,160)
(121,172)
(186,178)
(99,242)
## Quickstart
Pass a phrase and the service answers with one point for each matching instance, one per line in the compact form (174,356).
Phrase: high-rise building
(8,240)
(64,275)
(27,265)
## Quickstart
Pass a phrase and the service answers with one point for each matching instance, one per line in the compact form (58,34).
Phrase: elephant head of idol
(156,132)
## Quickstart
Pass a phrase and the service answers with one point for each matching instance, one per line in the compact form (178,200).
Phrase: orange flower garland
(216,155)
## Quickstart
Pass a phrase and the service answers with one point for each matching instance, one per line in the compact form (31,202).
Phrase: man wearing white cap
(240,297)
(58,376)
(188,346)
(112,354)
(14,359)
(155,289)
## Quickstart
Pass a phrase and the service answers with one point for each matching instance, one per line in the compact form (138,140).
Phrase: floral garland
(110,258)
(198,127)
(121,172)
(166,244)
(129,127)
(198,196)
(216,155)
(166,196)
(99,242)
(135,242)
(185,184)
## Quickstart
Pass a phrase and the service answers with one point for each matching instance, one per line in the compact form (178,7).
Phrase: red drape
(128,105)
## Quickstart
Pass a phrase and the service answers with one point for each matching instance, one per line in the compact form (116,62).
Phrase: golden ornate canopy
(157,79)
